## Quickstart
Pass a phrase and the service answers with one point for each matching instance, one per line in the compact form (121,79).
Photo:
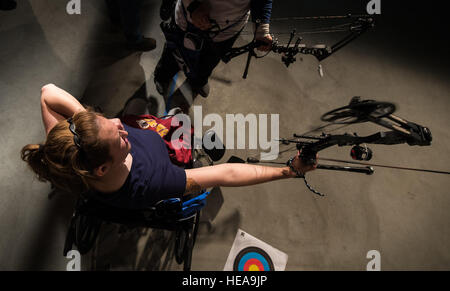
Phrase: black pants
(127,13)
(8,4)
(210,56)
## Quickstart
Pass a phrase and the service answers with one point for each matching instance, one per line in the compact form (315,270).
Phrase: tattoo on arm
(192,187)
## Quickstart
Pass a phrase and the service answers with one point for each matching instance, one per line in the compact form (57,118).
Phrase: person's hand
(200,16)
(267,39)
(298,164)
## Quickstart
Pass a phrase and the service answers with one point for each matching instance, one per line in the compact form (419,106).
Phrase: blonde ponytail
(64,164)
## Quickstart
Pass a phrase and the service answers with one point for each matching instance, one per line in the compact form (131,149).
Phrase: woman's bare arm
(233,175)
(56,105)
(236,175)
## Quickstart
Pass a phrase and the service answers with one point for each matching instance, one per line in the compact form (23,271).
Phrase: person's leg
(166,68)
(130,15)
(209,59)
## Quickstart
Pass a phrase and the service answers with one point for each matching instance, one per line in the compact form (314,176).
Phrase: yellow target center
(253,268)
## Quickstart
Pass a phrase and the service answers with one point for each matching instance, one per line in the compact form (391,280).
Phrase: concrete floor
(404,215)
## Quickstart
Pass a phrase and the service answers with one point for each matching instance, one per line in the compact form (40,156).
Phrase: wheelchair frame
(90,214)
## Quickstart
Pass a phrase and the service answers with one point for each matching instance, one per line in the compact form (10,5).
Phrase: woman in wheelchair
(126,167)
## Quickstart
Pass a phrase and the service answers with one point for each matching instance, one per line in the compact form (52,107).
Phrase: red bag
(163,126)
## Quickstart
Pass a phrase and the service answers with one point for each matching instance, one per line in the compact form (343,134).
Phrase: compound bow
(290,50)
(360,111)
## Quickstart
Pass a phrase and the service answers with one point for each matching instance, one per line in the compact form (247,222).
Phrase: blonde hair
(61,162)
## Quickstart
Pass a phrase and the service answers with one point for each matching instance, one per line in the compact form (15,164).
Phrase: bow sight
(290,50)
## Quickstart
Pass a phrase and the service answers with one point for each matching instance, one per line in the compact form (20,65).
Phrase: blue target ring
(253,259)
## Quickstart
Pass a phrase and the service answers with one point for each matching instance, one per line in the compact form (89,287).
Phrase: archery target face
(253,259)
(251,254)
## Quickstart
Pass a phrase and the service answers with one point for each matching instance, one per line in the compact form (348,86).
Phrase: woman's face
(113,132)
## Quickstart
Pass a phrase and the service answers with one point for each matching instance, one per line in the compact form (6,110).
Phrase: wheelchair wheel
(190,242)
(185,241)
(181,238)
(86,232)
(70,237)
(187,252)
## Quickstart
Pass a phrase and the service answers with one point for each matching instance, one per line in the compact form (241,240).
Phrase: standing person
(127,14)
(202,32)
